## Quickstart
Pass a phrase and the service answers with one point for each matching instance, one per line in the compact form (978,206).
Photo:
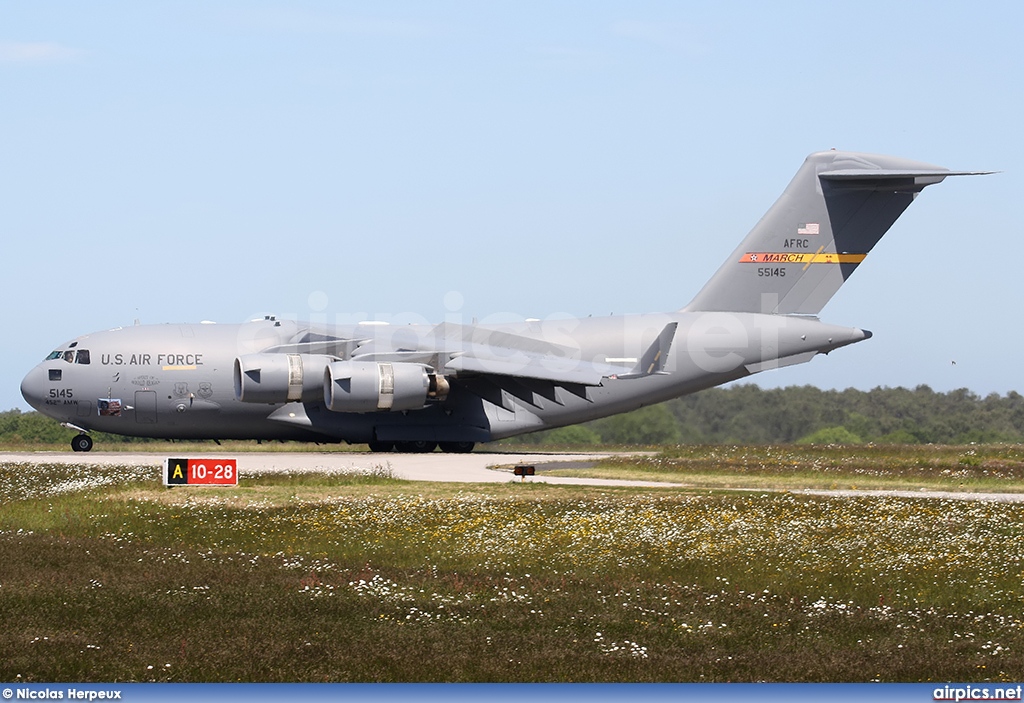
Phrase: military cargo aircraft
(416,387)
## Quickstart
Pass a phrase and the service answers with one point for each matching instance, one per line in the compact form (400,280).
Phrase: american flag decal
(809,228)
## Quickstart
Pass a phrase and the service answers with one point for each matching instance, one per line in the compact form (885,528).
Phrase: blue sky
(177,162)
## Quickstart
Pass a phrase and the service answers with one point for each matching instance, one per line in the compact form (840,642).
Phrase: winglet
(653,360)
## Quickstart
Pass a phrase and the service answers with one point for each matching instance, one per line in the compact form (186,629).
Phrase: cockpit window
(71,356)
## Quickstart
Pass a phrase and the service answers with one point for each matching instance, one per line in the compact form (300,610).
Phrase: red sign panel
(200,472)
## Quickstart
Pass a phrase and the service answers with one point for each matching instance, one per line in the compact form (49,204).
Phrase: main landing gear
(81,443)
(457,447)
(421,447)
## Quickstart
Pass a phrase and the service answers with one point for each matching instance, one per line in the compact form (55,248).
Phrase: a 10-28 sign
(200,472)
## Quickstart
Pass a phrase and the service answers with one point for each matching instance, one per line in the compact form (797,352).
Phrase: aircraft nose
(33,387)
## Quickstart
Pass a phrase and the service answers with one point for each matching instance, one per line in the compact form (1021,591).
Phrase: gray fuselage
(176,380)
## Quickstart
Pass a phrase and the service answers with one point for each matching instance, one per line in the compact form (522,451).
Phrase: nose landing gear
(81,443)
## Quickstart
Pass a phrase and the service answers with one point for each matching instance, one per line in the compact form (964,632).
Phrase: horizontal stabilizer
(890,173)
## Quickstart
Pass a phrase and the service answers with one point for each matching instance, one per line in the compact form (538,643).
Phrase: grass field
(107,576)
(975,468)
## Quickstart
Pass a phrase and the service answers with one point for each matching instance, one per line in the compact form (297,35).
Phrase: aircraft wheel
(81,443)
(416,447)
(381,446)
(457,447)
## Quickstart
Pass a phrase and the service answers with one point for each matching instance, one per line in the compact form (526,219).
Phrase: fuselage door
(145,407)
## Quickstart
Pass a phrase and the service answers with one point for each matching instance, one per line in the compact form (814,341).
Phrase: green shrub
(831,435)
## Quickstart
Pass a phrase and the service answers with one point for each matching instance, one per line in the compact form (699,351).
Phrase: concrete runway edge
(481,467)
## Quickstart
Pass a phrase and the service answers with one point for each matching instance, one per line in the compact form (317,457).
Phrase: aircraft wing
(468,351)
(491,363)
(540,368)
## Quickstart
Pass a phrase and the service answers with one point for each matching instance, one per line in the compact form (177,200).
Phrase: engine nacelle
(372,386)
(280,378)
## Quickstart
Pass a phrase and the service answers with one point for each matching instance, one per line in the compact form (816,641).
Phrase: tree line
(740,414)
(748,414)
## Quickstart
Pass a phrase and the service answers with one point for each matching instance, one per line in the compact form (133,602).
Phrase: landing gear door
(145,407)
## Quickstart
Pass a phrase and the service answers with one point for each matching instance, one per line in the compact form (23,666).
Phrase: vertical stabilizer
(812,239)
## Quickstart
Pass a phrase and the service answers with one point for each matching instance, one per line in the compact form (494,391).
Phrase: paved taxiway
(479,467)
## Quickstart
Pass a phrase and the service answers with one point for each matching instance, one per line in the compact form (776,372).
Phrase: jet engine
(280,378)
(371,386)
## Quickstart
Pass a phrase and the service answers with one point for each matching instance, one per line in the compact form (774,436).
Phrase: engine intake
(280,378)
(371,386)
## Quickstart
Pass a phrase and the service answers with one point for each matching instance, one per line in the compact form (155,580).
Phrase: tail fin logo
(786,257)
(809,228)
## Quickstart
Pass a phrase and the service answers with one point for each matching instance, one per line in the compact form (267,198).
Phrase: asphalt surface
(479,467)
